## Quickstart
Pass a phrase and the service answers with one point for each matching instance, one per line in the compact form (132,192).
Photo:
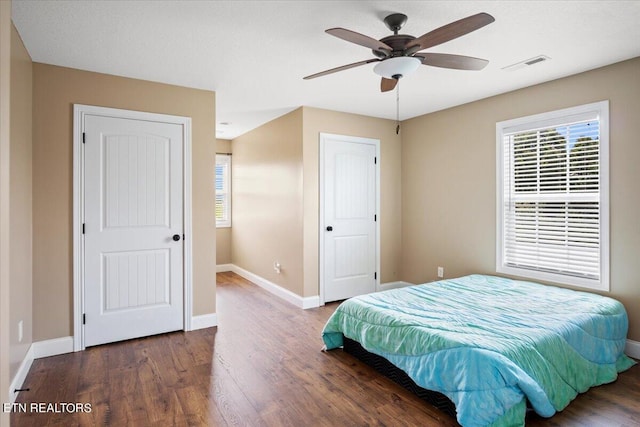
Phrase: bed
(491,345)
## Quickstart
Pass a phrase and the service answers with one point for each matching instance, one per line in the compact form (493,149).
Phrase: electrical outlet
(440,272)
(277,267)
(20,331)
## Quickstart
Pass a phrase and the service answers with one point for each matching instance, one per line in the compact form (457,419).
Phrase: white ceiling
(253,54)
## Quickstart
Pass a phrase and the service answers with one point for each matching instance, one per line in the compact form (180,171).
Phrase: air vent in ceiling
(526,63)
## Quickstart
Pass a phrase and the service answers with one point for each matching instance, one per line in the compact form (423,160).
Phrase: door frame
(321,220)
(79,113)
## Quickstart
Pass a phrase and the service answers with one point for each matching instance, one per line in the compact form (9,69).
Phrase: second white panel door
(349,218)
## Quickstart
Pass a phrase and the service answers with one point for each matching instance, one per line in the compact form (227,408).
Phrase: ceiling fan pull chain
(398,108)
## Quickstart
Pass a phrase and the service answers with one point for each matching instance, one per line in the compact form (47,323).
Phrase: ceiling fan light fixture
(401,66)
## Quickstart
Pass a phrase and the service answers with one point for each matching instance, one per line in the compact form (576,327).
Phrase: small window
(553,196)
(223,190)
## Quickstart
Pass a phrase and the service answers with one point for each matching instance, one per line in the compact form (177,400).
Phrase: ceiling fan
(399,54)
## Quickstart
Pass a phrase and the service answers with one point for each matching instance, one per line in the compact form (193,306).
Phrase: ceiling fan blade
(343,67)
(457,62)
(449,32)
(388,84)
(361,39)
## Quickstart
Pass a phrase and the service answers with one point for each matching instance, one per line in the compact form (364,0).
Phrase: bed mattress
(490,344)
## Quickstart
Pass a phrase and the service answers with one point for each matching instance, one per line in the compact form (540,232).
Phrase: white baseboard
(21,375)
(52,347)
(285,294)
(204,321)
(393,285)
(223,268)
(632,349)
(311,302)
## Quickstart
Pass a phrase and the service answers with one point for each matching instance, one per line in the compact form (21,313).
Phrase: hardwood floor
(262,366)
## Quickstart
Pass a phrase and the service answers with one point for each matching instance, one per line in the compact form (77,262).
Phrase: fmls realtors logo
(41,407)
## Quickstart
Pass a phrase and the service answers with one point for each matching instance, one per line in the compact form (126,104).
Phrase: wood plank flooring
(262,366)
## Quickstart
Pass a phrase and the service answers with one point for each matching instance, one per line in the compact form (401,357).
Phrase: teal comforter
(491,343)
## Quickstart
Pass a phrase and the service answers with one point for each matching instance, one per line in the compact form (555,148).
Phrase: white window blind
(553,213)
(223,190)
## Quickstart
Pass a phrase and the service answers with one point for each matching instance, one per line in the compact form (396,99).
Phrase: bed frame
(396,374)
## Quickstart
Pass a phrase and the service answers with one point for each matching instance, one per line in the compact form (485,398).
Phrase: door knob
(329,228)
(176,237)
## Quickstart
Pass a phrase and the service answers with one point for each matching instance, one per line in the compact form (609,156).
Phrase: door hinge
(375,275)
(375,160)
(84,137)
(84,319)
(183,237)
(83,228)
(375,217)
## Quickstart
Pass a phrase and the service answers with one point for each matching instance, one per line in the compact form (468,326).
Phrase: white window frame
(547,120)
(225,160)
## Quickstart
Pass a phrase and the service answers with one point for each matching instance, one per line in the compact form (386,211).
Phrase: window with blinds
(223,190)
(553,196)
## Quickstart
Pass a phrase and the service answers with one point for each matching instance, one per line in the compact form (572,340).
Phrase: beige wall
(223,246)
(21,201)
(223,146)
(267,201)
(449,179)
(223,235)
(5,144)
(55,90)
(316,121)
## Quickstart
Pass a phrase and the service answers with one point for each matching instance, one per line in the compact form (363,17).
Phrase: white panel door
(349,218)
(133,228)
